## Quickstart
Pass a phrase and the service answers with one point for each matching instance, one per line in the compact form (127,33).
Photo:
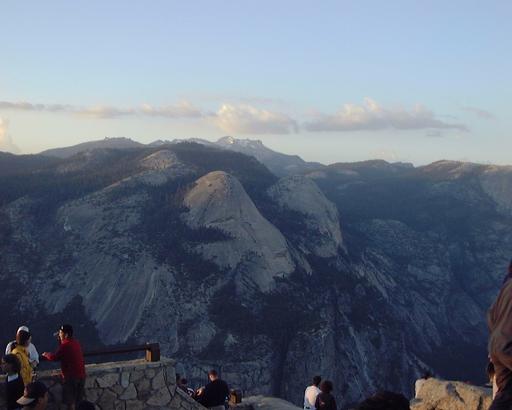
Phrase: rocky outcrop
(254,249)
(437,394)
(266,403)
(322,235)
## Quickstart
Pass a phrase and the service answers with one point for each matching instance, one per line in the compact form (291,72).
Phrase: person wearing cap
(21,352)
(32,351)
(72,366)
(35,396)
(499,320)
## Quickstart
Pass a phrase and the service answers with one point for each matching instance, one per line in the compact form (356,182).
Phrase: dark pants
(73,391)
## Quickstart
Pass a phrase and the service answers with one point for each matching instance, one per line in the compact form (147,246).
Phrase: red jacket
(71,359)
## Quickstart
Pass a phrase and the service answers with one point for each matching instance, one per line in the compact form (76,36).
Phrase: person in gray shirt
(33,355)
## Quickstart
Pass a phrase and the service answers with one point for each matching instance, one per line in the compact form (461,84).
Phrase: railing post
(153,352)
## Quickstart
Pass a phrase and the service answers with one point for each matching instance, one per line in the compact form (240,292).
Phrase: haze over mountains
(267,266)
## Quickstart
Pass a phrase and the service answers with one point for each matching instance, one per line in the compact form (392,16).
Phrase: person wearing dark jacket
(499,319)
(215,394)
(325,400)
(14,386)
(72,366)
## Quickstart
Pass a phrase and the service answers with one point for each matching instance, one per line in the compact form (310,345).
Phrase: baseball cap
(33,391)
(23,328)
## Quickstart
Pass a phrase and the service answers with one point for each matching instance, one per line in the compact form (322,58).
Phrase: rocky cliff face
(228,266)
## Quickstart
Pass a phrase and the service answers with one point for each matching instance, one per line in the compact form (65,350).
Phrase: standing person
(14,386)
(32,351)
(35,396)
(311,392)
(325,400)
(215,394)
(72,365)
(499,319)
(21,351)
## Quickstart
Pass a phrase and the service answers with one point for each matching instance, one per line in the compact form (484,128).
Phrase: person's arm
(33,354)
(52,357)
(8,348)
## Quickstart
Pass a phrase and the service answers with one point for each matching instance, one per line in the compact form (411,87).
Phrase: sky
(331,81)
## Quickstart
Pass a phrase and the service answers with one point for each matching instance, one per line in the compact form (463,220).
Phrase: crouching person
(72,366)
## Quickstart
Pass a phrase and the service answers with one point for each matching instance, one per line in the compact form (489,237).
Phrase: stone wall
(129,385)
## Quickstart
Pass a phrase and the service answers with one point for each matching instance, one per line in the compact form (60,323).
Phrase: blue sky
(330,81)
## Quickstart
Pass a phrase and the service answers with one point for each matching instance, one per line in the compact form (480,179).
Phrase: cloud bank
(246,119)
(6,142)
(249,119)
(371,116)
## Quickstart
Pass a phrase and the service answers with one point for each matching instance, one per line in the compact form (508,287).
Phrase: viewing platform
(125,385)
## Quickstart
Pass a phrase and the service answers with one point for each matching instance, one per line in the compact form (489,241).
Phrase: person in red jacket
(72,366)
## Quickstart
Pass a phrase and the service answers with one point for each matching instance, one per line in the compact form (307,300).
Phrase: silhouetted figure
(14,386)
(311,392)
(385,400)
(325,400)
(72,366)
(499,319)
(215,394)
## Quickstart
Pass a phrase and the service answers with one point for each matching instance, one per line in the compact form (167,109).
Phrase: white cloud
(183,109)
(372,116)
(101,111)
(246,119)
(27,106)
(486,115)
(6,142)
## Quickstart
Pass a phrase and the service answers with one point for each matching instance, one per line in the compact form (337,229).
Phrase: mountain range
(268,267)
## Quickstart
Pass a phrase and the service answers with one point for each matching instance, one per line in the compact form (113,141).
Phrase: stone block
(130,393)
(136,375)
(134,405)
(158,381)
(143,389)
(93,394)
(108,380)
(90,382)
(150,373)
(120,405)
(175,403)
(125,379)
(107,400)
(159,398)
(117,389)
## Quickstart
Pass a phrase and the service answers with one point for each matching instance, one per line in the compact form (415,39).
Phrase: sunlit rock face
(301,194)
(255,249)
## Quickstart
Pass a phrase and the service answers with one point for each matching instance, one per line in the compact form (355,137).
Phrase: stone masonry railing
(128,385)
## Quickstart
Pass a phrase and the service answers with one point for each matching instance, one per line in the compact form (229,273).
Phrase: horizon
(336,82)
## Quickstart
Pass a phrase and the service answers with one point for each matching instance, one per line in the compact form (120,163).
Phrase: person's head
(385,400)
(316,380)
(65,332)
(213,375)
(22,338)
(11,364)
(326,386)
(426,375)
(35,396)
(85,405)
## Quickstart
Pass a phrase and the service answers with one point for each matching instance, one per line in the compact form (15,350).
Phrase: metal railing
(152,351)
